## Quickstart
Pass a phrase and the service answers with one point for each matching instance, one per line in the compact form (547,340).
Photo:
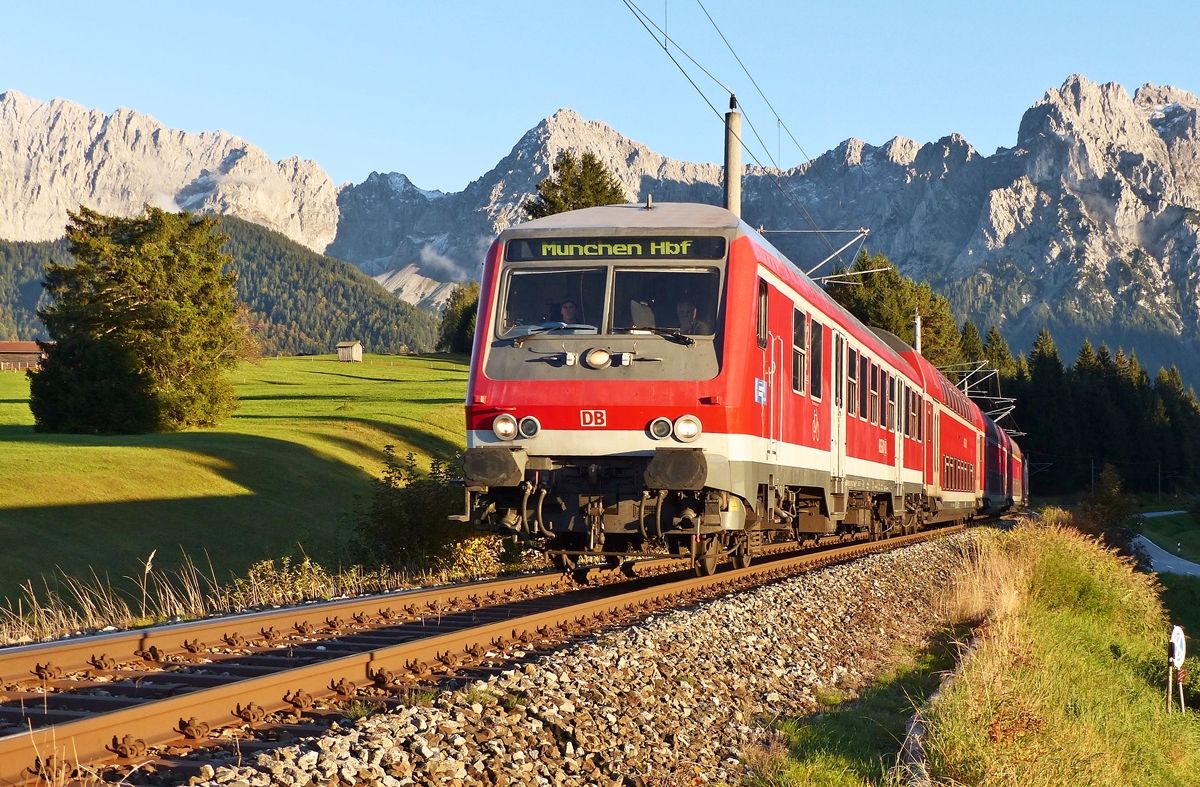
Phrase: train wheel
(564,563)
(706,561)
(741,553)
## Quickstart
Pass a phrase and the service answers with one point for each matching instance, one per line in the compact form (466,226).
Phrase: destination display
(616,248)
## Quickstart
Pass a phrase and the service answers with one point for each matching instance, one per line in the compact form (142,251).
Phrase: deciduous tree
(145,324)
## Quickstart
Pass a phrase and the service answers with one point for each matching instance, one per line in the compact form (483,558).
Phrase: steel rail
(19,663)
(87,740)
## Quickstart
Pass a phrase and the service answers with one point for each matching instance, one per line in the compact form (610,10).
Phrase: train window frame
(852,382)
(612,329)
(799,350)
(873,400)
(864,376)
(764,303)
(514,271)
(816,364)
(892,402)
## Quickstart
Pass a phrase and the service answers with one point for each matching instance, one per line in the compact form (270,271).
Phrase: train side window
(762,314)
(904,401)
(892,403)
(883,382)
(799,354)
(863,367)
(839,362)
(874,394)
(852,384)
(817,363)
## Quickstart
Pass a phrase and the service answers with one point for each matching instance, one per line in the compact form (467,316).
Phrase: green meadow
(281,477)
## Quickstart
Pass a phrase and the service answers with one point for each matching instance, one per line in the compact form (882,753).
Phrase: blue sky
(441,90)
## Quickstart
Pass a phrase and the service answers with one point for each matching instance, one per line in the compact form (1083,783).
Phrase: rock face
(410,286)
(1088,225)
(57,155)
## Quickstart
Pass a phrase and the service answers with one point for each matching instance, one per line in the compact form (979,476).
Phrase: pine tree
(969,345)
(145,324)
(1087,362)
(457,332)
(575,184)
(998,355)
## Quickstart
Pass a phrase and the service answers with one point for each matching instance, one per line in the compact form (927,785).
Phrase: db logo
(592,418)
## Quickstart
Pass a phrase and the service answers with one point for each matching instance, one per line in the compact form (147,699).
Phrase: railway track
(169,695)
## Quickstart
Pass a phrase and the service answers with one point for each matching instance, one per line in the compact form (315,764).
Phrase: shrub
(409,520)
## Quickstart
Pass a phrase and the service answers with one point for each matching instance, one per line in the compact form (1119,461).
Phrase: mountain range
(1087,225)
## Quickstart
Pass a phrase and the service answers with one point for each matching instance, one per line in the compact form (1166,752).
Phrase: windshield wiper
(551,326)
(667,333)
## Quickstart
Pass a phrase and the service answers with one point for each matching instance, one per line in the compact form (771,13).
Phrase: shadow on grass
(425,441)
(857,741)
(295,498)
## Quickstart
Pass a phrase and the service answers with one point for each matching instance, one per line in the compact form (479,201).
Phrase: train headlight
(529,426)
(598,358)
(505,426)
(661,428)
(687,428)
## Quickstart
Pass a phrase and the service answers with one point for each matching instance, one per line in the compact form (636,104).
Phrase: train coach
(662,376)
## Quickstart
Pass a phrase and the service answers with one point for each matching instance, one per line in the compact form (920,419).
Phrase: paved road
(1163,560)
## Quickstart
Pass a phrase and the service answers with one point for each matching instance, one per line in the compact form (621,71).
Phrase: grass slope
(1067,685)
(280,475)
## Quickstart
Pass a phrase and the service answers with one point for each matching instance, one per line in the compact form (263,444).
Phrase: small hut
(350,352)
(18,356)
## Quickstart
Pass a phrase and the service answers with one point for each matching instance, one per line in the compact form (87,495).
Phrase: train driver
(569,312)
(685,312)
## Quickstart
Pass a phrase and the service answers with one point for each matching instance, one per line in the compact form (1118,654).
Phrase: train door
(932,439)
(769,389)
(837,431)
(896,416)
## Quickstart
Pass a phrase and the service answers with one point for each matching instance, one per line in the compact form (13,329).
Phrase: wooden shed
(350,352)
(16,356)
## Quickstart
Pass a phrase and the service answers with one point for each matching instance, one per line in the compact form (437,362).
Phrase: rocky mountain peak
(56,155)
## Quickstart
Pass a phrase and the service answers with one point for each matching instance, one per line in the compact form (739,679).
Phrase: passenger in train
(685,312)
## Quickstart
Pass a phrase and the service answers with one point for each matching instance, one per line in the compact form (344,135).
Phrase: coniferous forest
(300,301)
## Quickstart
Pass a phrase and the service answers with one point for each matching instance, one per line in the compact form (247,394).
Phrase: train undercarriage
(630,507)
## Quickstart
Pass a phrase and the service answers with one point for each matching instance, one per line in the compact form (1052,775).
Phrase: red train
(664,376)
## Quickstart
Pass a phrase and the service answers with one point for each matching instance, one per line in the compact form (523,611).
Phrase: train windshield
(554,301)
(680,299)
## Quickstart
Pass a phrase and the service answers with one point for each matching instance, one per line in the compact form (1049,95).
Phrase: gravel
(687,692)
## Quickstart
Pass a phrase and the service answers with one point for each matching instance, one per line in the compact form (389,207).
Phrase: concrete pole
(733,158)
(917,333)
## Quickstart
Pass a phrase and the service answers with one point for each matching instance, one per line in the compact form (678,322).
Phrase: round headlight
(661,428)
(529,426)
(598,358)
(687,428)
(505,426)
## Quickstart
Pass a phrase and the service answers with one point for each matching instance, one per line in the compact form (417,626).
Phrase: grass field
(1167,531)
(278,477)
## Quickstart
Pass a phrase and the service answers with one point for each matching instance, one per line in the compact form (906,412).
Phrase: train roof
(682,215)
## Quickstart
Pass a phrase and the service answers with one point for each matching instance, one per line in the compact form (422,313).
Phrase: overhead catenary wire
(788,193)
(767,101)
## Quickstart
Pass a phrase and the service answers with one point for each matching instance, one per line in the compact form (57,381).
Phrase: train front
(594,417)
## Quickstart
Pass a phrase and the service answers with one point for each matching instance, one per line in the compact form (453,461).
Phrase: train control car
(646,377)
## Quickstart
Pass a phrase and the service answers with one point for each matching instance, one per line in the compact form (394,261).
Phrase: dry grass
(1066,685)
(65,606)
